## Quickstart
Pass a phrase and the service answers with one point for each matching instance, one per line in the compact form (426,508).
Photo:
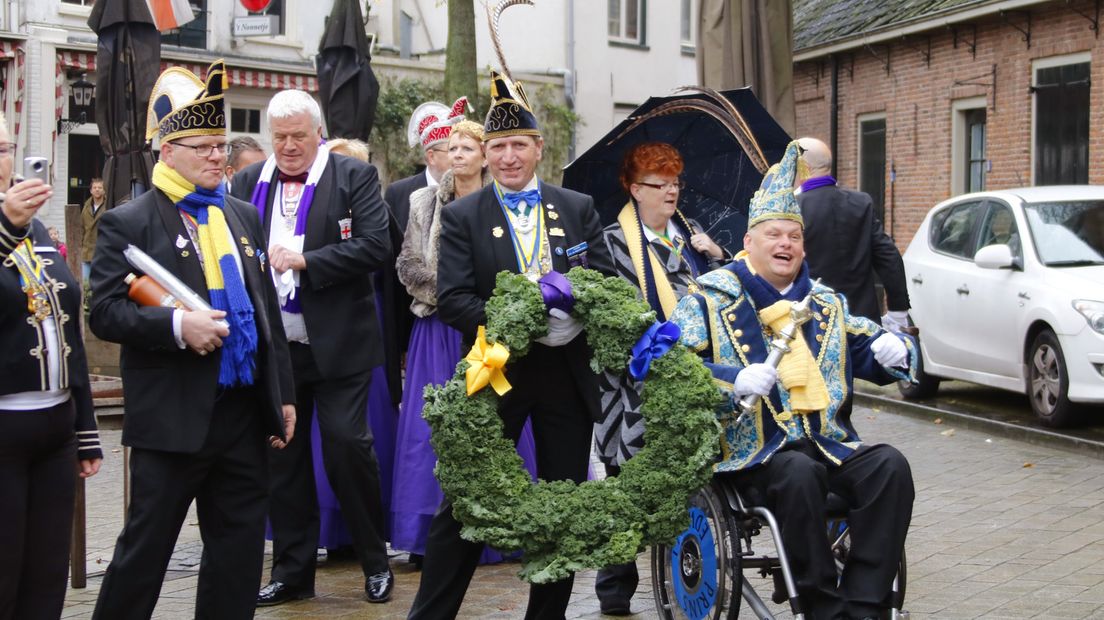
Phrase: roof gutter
(916,27)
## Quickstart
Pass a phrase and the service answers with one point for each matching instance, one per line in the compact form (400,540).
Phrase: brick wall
(917,102)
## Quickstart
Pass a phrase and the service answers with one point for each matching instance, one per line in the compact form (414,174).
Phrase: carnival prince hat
(182,105)
(775,200)
(510,113)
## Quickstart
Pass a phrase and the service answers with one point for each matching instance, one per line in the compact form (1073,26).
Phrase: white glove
(895,321)
(889,351)
(562,329)
(756,379)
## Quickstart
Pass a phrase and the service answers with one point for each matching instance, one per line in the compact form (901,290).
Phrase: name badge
(577,255)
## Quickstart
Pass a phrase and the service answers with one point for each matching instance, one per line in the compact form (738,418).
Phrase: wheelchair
(702,576)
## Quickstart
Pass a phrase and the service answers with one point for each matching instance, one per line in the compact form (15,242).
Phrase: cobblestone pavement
(1001,529)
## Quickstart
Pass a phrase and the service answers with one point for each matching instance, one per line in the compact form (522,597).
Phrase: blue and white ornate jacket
(722,324)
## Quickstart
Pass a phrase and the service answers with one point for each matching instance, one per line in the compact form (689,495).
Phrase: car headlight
(1093,311)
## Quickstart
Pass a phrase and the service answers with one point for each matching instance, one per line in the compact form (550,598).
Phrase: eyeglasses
(663,187)
(204,151)
(438,149)
(7,148)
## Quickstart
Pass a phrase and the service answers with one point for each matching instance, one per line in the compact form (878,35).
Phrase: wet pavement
(1001,529)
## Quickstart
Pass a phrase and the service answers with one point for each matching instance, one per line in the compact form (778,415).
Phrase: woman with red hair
(658,249)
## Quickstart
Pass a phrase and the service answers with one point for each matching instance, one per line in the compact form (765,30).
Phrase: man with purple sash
(327,232)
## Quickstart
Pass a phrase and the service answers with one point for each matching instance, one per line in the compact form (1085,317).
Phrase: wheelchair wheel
(699,577)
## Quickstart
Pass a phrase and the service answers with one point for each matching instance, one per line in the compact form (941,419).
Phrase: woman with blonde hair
(434,347)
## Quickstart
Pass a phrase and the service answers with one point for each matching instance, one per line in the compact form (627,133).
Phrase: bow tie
(531,198)
(292,178)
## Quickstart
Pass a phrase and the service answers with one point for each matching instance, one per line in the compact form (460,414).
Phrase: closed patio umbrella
(128,59)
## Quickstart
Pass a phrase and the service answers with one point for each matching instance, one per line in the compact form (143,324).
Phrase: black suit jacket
(471,255)
(338,299)
(846,244)
(398,194)
(170,392)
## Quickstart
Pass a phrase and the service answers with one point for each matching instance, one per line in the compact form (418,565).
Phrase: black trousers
(228,479)
(545,391)
(350,462)
(38,471)
(876,482)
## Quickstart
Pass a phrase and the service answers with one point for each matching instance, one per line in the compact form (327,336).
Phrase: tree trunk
(460,72)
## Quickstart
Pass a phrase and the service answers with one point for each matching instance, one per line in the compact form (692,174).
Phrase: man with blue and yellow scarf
(797,443)
(204,390)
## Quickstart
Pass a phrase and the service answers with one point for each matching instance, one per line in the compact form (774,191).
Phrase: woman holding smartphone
(47,427)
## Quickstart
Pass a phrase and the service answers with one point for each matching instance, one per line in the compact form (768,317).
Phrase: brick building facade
(984,95)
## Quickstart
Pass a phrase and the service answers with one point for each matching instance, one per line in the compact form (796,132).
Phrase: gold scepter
(800,313)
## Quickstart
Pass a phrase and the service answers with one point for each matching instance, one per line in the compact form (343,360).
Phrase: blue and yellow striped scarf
(225,287)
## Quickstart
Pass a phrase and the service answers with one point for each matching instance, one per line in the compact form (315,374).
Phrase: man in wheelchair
(797,443)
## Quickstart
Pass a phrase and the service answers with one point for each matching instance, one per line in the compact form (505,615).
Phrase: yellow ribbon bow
(485,365)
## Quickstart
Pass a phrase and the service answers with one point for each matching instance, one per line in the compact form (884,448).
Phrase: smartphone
(36,168)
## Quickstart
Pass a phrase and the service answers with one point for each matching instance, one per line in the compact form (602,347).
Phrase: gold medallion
(497,231)
(552,215)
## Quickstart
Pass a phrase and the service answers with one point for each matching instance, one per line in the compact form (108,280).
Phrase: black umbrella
(128,61)
(727,141)
(346,83)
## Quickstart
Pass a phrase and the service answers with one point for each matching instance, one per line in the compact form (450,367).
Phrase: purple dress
(432,356)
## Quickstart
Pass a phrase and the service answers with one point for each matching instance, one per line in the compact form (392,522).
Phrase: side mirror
(996,256)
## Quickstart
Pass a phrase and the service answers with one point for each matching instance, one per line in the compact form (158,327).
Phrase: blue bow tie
(531,197)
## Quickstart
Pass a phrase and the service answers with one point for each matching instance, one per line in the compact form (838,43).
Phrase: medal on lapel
(497,232)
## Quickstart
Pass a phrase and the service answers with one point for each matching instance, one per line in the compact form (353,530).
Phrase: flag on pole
(170,14)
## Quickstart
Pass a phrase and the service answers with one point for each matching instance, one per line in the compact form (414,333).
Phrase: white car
(1007,290)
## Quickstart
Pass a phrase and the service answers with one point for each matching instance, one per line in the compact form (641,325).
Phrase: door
(936,283)
(86,162)
(991,312)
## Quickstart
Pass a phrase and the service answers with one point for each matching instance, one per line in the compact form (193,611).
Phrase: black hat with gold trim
(182,105)
(510,113)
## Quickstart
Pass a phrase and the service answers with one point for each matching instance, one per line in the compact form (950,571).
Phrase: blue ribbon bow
(655,342)
(556,291)
(531,197)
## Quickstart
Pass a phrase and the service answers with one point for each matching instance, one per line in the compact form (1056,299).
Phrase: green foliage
(397,100)
(557,123)
(563,527)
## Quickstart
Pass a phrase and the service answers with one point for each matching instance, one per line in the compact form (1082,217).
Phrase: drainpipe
(569,76)
(833,115)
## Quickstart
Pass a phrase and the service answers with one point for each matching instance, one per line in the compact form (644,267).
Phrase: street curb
(1034,436)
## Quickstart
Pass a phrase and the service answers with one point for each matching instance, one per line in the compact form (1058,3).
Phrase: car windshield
(1067,234)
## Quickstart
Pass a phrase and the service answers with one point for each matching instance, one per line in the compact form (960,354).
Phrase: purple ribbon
(815,182)
(556,290)
(655,342)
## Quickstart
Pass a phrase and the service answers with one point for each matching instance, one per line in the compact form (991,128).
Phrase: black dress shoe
(378,587)
(278,593)
(615,607)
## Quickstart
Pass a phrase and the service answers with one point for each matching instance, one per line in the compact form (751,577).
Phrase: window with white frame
(626,21)
(687,27)
(245,120)
(969,159)
(1060,88)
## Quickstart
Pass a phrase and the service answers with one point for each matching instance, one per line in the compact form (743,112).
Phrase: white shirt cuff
(178,327)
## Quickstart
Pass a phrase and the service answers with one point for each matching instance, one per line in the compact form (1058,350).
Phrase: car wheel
(926,385)
(1048,382)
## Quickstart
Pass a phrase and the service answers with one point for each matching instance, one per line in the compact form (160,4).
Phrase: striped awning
(7,49)
(247,78)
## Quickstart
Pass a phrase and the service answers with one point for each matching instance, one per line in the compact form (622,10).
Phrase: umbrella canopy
(128,60)
(727,141)
(346,83)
